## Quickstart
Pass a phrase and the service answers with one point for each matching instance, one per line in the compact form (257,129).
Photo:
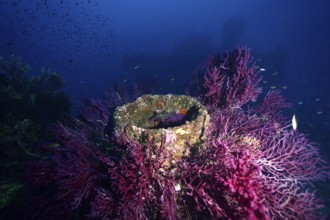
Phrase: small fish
(262,69)
(294,122)
(121,100)
(137,67)
(165,120)
(53,145)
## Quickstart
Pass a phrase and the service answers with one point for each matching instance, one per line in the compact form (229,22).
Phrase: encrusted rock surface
(174,119)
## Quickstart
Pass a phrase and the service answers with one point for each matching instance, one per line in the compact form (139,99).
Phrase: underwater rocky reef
(29,103)
(224,150)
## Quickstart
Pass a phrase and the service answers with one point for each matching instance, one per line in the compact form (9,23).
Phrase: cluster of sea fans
(252,165)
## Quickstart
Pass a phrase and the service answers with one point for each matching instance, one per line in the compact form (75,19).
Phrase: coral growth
(228,81)
(252,165)
(29,102)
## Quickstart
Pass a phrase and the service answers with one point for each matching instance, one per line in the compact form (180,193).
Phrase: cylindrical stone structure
(179,121)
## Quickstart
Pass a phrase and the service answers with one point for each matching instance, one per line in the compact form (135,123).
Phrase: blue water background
(94,43)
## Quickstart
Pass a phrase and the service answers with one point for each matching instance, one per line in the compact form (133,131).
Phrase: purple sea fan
(103,205)
(242,180)
(78,168)
(251,165)
(230,81)
(251,170)
(94,111)
(142,182)
(271,107)
(264,170)
(201,188)
(222,183)
(73,168)
(290,165)
(212,84)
